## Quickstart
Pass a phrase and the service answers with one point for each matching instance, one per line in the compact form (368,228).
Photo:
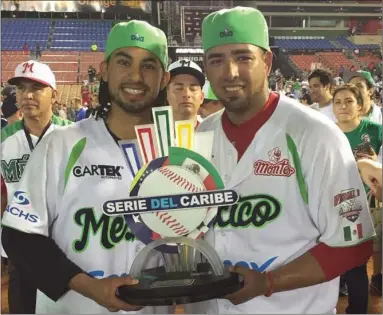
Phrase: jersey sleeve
(32,209)
(336,197)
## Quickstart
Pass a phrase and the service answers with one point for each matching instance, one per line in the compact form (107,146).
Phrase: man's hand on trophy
(255,284)
(104,291)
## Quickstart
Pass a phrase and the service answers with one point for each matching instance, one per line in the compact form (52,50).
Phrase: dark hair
(351,88)
(324,76)
(307,97)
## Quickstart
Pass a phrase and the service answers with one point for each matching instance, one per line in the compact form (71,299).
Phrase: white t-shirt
(298,183)
(15,152)
(71,173)
(326,110)
(376,114)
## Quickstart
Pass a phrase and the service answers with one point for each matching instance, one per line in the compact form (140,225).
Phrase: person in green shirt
(365,139)
(365,136)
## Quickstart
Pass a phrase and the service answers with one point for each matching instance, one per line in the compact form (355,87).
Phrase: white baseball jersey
(298,185)
(71,173)
(15,152)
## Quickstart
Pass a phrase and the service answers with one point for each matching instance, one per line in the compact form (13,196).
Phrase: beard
(135,107)
(236,104)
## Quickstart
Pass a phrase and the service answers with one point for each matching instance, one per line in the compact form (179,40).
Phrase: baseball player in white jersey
(302,218)
(184,91)
(35,93)
(73,172)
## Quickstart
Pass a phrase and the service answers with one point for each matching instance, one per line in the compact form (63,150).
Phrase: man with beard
(286,236)
(56,213)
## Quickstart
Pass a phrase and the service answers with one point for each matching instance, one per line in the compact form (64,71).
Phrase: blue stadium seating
(349,45)
(301,43)
(80,35)
(15,33)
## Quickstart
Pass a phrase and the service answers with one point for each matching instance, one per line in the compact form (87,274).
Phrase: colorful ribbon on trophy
(146,137)
(185,134)
(131,155)
(163,120)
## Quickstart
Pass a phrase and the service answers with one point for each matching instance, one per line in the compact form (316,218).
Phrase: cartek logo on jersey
(347,204)
(276,166)
(13,170)
(251,264)
(104,171)
(21,198)
(250,211)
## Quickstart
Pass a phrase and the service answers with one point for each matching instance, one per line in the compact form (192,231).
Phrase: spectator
(38,52)
(10,111)
(91,73)
(26,48)
(365,138)
(80,110)
(366,85)
(71,111)
(306,100)
(320,91)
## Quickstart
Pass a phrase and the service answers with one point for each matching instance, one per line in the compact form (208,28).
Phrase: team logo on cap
(28,66)
(137,37)
(185,63)
(226,33)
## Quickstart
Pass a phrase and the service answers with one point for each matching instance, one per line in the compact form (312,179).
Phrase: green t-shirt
(367,131)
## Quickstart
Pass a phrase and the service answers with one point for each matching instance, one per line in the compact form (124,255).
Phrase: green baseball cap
(348,76)
(138,34)
(208,92)
(239,25)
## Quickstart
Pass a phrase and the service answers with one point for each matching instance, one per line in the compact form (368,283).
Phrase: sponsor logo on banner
(276,166)
(347,204)
(252,265)
(103,171)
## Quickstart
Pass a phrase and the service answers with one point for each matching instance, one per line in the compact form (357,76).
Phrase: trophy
(174,198)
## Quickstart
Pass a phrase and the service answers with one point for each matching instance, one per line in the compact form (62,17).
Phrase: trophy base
(158,287)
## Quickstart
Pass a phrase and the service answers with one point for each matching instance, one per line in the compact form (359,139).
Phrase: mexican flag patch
(353,232)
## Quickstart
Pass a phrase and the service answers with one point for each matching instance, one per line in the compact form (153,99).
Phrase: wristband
(270,289)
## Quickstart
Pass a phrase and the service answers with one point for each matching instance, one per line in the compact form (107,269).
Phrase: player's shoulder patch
(210,122)
(11,129)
